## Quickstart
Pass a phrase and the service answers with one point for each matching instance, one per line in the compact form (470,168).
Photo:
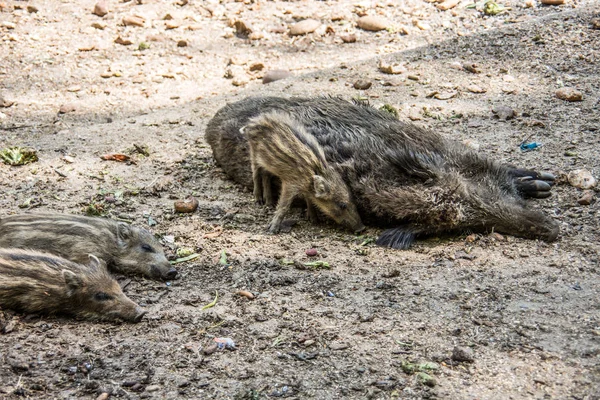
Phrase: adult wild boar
(402,176)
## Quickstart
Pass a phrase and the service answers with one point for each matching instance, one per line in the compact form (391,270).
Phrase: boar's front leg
(283,206)
(311,212)
(532,184)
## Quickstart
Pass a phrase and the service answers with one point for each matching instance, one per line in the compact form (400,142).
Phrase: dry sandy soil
(528,312)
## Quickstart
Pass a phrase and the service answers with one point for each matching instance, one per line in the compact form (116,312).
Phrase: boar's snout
(171,274)
(139,314)
(165,272)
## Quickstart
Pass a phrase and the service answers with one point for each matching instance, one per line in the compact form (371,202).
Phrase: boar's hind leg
(267,191)
(531,183)
(283,206)
(397,238)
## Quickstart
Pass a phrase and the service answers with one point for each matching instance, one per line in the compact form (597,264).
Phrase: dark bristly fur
(280,147)
(35,282)
(401,176)
(125,248)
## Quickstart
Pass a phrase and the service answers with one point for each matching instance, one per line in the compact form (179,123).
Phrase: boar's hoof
(530,187)
(274,228)
(397,238)
(533,184)
(139,315)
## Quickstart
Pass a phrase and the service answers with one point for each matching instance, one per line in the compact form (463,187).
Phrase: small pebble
(348,38)
(182,43)
(582,179)
(391,68)
(133,20)
(362,84)
(497,236)
(275,75)
(586,198)
(504,113)
(101,9)
(186,206)
(372,23)
(32,9)
(312,252)
(242,28)
(595,23)
(211,348)
(463,354)
(569,94)
(475,89)
(103,396)
(67,108)
(552,2)
(447,4)
(6,102)
(304,27)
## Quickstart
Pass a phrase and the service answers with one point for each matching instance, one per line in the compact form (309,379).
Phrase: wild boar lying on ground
(35,282)
(401,176)
(281,147)
(125,248)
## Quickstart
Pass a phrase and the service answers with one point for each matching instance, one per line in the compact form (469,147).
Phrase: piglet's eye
(343,206)
(101,296)
(147,248)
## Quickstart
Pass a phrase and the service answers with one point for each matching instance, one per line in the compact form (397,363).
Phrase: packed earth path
(322,313)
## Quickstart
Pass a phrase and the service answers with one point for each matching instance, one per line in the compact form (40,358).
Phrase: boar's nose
(139,314)
(171,274)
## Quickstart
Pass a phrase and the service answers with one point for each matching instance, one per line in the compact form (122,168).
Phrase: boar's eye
(147,248)
(101,296)
(343,206)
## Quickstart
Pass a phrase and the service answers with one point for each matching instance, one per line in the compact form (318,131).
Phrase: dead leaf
(116,157)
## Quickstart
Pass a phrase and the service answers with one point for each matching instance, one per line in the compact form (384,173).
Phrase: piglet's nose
(172,274)
(139,314)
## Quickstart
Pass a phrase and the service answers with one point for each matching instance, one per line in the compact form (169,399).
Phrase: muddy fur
(35,282)
(125,248)
(401,176)
(280,147)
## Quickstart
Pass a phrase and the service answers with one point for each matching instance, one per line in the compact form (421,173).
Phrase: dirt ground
(379,323)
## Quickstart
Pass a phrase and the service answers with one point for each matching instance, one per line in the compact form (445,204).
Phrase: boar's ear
(72,280)
(320,186)
(95,262)
(123,232)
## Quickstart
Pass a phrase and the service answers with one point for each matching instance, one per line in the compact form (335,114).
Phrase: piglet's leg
(285,202)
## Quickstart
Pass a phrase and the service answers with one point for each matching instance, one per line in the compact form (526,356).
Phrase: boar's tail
(398,238)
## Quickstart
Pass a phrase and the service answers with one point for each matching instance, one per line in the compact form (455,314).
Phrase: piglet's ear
(73,281)
(123,232)
(95,262)
(320,186)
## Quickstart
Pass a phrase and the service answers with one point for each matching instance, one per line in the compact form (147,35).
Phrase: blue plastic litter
(529,146)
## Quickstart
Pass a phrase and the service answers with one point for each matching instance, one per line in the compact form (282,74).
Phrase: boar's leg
(257,175)
(267,191)
(283,206)
(311,212)
(398,238)
(532,184)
